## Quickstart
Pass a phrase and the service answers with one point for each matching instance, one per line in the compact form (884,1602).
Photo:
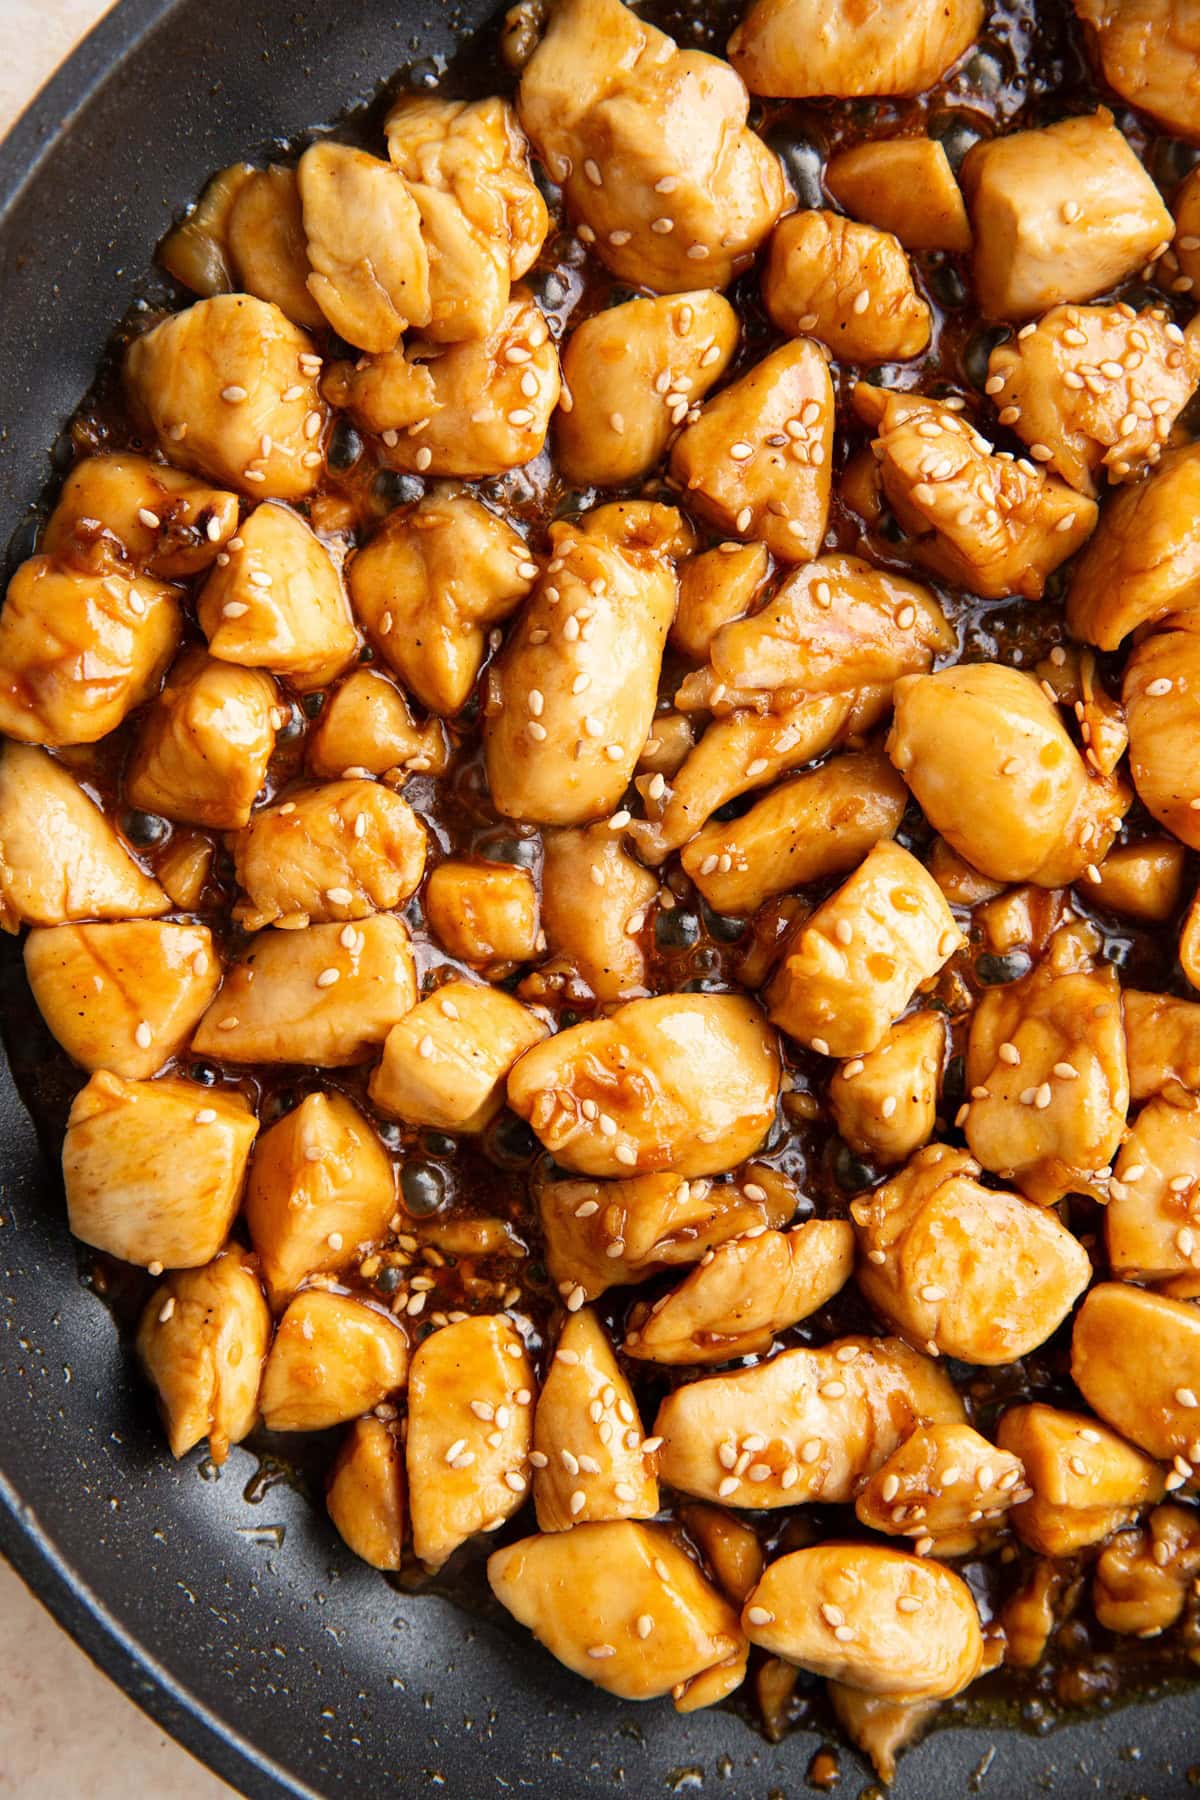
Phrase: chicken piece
(651,146)
(195,252)
(945,1484)
(1030,1615)
(972,516)
(1152,1221)
(1063,212)
(572,695)
(1162,1043)
(885,1103)
(184,868)
(123,514)
(278,603)
(965,1270)
(365,1496)
(903,185)
(60,858)
(124,996)
(743,1292)
(1147,51)
(1185,247)
(1162,678)
(1094,388)
(861,957)
(366,726)
(876,1619)
(623,1604)
(1141,881)
(362,226)
(685,1082)
(993,769)
(484,913)
(333,1357)
(632,373)
(818,269)
(1144,561)
(878,1725)
(202,749)
(388,393)
(1135,1358)
(210,384)
(154,1169)
(1022,917)
(756,463)
(202,1341)
(588,1458)
(1143,1578)
(595,899)
(321,1189)
(729,1546)
(715,588)
(797,49)
(445,1063)
(342,850)
(273,1006)
(1087,1482)
(1189,942)
(961,884)
(266,246)
(816,1421)
(814,826)
(1076,681)
(470,1430)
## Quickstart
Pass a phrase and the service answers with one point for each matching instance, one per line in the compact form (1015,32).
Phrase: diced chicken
(391,393)
(756,463)
(685,1082)
(972,516)
(1152,1221)
(321,1189)
(862,955)
(1144,561)
(338,851)
(744,1292)
(885,1103)
(123,996)
(993,768)
(275,1008)
(445,1063)
(1022,917)
(729,1546)
(1162,1042)
(123,514)
(651,147)
(593,892)
(632,373)
(846,284)
(154,1169)
(278,603)
(1189,942)
(202,749)
(817,1422)
(1063,212)
(194,251)
(365,1496)
(1162,680)
(903,185)
(715,588)
(1076,681)
(362,227)
(798,49)
(333,1358)
(944,1484)
(1135,1358)
(587,1435)
(266,246)
(210,383)
(485,913)
(60,858)
(1030,1616)
(1185,247)
(962,884)
(1094,388)
(1142,880)
(879,1725)
(1087,1482)
(470,1430)
(1147,50)
(202,1341)
(1143,1578)
(775,1684)
(367,727)
(184,869)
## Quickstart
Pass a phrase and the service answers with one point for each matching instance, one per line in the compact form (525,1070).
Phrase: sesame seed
(728,1486)
(760,1615)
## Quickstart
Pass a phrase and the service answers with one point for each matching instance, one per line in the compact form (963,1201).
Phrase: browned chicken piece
(471,1393)
(266,246)
(1152,1221)
(807,1425)
(972,515)
(595,902)
(685,1082)
(210,383)
(473,1237)
(572,696)
(715,588)
(60,858)
(1087,1482)
(631,375)
(371,272)
(1030,1616)
(1189,942)
(334,1356)
(961,1269)
(202,1341)
(365,1496)
(1147,51)
(1135,1358)
(742,1293)
(123,996)
(756,463)
(388,393)
(274,1006)
(945,1485)
(623,1604)
(885,1103)
(445,1062)
(1094,390)
(277,603)
(154,1169)
(321,1189)
(342,850)
(1141,881)
(1075,679)
(729,1546)
(367,728)
(879,1725)
(203,746)
(993,768)
(861,957)
(1158,692)
(905,186)
(846,284)
(1144,561)
(1162,1042)
(961,883)
(1143,1578)
(125,514)
(1185,247)
(484,913)
(184,867)
(798,49)
(587,1434)
(671,735)
(195,252)
(1024,917)
(876,1619)
(428,585)
(651,147)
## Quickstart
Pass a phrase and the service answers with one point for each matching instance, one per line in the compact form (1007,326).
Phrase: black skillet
(288,1666)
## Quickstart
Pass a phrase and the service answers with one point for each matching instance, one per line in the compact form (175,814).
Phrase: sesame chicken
(1143,563)
(1087,1482)
(126,515)
(203,745)
(264,242)
(366,1495)
(202,1342)
(1147,51)
(362,227)
(390,393)
(1135,1358)
(1162,1043)
(945,1482)
(730,1547)
(1031,1615)
(885,1103)
(1159,693)
(716,587)
(587,1434)
(1144,1577)
(367,725)
(1142,880)
(1025,918)
(445,1062)
(595,903)
(1152,1221)
(848,285)
(338,851)
(484,913)
(878,1724)
(904,186)
(332,1358)
(799,49)
(1074,678)
(1185,246)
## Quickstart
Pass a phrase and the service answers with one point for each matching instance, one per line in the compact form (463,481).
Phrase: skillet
(228,1608)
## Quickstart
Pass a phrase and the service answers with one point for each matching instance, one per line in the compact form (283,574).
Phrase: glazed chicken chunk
(333,1357)
(588,1458)
(885,1103)
(485,913)
(1143,1578)
(1135,1358)
(203,746)
(802,49)
(1087,1482)
(595,902)
(1161,696)
(945,1485)
(245,234)
(847,285)
(1147,50)
(903,185)
(445,1063)
(366,1493)
(716,587)
(338,851)
(1142,880)
(203,1341)
(362,227)
(1162,1042)
(367,728)
(1144,561)
(1152,1221)
(125,515)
